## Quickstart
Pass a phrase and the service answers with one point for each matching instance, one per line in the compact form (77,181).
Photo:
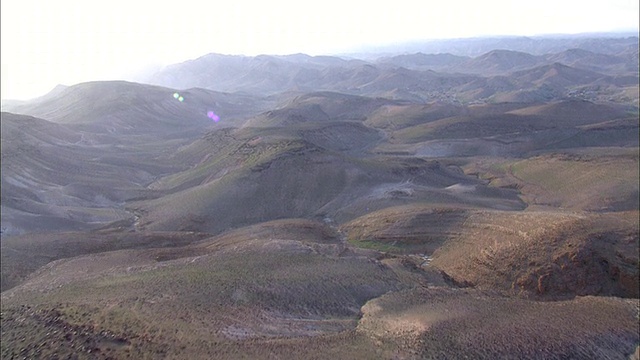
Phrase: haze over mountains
(603,43)
(420,205)
(496,75)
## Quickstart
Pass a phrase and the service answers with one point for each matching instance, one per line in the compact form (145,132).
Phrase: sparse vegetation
(339,210)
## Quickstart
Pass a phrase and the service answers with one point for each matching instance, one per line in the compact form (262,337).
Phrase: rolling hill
(125,108)
(266,177)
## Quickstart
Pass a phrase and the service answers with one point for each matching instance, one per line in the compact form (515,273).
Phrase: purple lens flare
(211,115)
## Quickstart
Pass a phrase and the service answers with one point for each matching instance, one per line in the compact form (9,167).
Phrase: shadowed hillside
(56,177)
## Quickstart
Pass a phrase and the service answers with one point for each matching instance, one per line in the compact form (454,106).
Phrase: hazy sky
(47,42)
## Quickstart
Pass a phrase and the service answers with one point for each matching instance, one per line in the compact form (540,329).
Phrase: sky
(49,42)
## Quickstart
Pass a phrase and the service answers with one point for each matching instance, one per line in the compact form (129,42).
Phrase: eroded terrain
(381,210)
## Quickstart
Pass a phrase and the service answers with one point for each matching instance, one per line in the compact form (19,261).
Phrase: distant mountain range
(605,43)
(424,77)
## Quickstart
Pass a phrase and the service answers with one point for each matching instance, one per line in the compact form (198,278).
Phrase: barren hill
(265,178)
(272,288)
(319,107)
(126,108)
(499,62)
